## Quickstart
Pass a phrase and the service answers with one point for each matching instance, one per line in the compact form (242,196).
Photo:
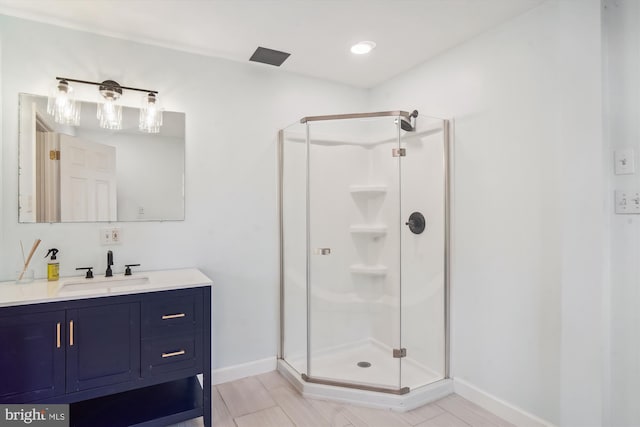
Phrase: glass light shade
(150,114)
(62,105)
(110,112)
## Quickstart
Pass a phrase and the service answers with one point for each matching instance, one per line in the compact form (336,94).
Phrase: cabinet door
(32,356)
(103,346)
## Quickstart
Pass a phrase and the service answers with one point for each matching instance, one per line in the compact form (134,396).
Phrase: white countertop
(73,288)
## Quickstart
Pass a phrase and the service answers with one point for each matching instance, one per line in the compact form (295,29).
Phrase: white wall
(528,224)
(233,112)
(621,20)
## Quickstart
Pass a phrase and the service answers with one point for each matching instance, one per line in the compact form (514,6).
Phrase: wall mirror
(89,174)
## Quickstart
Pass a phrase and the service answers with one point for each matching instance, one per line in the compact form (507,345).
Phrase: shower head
(407,125)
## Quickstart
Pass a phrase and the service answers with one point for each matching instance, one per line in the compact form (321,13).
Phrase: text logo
(36,415)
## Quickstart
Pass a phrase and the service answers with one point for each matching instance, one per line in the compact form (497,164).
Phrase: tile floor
(268,400)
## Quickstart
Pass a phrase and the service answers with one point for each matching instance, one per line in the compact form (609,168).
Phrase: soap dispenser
(53,266)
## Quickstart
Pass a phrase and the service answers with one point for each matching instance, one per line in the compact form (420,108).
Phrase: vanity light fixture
(62,105)
(65,110)
(363,47)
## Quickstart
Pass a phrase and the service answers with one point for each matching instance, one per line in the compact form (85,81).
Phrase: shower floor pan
(342,364)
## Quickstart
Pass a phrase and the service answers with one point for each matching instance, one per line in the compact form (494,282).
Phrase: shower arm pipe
(395,113)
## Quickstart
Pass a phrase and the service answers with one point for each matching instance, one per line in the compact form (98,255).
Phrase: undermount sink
(102,284)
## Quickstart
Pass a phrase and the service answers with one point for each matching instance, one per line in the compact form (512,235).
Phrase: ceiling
(317,33)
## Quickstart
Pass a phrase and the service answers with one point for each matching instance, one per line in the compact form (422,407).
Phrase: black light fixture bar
(106,84)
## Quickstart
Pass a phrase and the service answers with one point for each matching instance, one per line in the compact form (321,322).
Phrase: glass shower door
(354,252)
(423,175)
(293,273)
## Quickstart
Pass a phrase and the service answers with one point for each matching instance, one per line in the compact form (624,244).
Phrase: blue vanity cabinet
(127,360)
(103,346)
(32,356)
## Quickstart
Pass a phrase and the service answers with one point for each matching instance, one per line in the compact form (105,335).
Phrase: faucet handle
(127,271)
(89,274)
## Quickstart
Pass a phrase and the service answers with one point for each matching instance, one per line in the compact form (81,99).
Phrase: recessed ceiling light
(362,47)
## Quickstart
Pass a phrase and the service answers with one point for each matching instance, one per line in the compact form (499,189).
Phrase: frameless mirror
(88,174)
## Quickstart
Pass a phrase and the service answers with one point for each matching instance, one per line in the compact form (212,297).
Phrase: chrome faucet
(109,273)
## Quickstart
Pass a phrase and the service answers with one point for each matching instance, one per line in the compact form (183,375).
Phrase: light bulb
(363,47)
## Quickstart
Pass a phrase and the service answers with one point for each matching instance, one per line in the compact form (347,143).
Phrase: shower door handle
(323,251)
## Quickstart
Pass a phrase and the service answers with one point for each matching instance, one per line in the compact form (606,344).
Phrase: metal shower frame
(446,130)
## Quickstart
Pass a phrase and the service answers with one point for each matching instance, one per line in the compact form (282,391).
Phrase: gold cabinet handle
(58,335)
(173,316)
(71,333)
(175,353)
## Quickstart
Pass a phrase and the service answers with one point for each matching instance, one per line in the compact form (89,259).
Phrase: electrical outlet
(627,202)
(116,235)
(110,236)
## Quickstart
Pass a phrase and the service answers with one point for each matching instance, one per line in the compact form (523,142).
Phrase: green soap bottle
(53,266)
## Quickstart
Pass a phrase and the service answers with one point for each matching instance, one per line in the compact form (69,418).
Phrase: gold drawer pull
(58,335)
(175,353)
(71,333)
(173,316)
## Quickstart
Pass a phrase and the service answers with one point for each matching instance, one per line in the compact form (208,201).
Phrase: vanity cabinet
(118,360)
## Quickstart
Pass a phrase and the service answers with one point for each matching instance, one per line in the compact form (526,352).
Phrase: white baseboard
(503,409)
(235,372)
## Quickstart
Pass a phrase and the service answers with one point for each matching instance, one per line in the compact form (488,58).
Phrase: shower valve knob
(416,223)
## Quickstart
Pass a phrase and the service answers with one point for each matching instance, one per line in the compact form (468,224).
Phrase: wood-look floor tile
(333,412)
(220,413)
(273,379)
(355,420)
(245,396)
(444,420)
(271,417)
(470,412)
(423,413)
(377,417)
(301,412)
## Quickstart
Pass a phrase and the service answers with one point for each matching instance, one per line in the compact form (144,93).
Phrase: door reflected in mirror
(89,174)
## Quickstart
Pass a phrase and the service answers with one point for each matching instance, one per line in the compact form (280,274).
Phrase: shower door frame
(446,130)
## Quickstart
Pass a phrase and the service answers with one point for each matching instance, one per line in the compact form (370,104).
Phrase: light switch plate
(627,202)
(625,161)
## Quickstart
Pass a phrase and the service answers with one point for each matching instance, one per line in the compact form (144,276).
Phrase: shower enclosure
(364,250)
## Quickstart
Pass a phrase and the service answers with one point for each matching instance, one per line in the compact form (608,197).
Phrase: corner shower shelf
(371,230)
(368,189)
(369,270)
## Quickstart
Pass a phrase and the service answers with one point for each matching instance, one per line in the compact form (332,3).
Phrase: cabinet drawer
(166,354)
(172,312)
